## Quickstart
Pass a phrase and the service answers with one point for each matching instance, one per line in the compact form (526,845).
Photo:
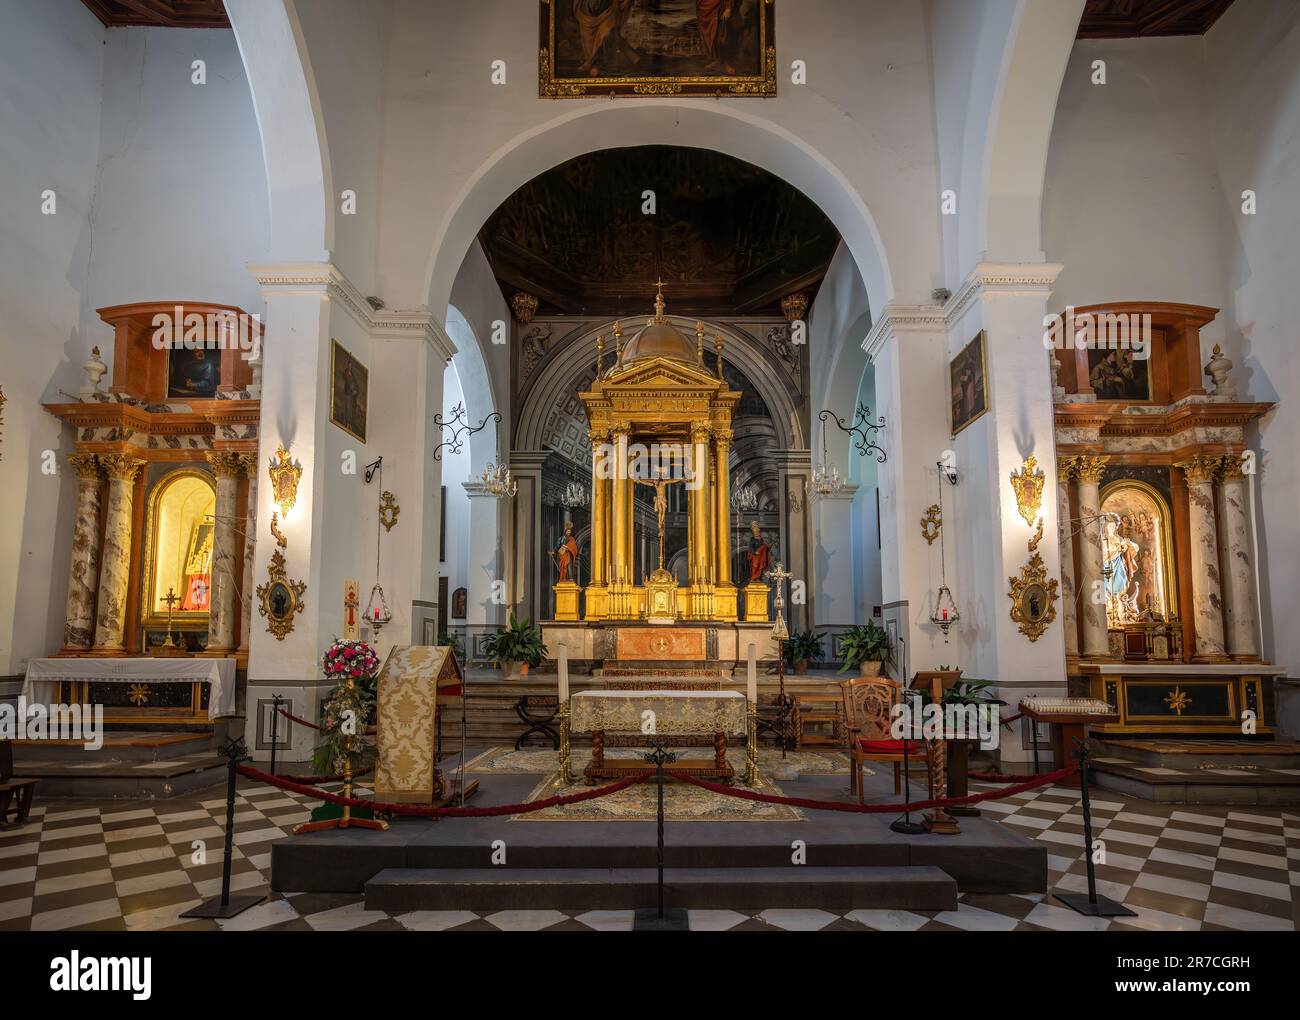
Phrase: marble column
(1064,529)
(1242,615)
(248,463)
(1096,639)
(1207,598)
(221,621)
(83,566)
(115,573)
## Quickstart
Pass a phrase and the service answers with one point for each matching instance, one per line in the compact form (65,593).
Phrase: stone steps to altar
(121,745)
(1181,771)
(100,777)
(836,889)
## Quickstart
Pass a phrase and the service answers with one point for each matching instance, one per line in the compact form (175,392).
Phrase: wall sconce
(1028,486)
(285,474)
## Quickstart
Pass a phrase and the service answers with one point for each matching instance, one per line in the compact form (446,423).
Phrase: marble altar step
(98,776)
(121,745)
(836,889)
(1200,772)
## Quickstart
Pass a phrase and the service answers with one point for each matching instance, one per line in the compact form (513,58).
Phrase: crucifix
(660,485)
(782,724)
(170,599)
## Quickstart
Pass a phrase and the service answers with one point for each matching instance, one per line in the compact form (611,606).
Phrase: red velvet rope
(300,722)
(423,811)
(869,809)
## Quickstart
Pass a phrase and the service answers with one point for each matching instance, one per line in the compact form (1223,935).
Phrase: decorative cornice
(1195,412)
(326,278)
(993,279)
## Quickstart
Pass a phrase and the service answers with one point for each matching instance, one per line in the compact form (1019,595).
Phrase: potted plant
(966,691)
(457,649)
(804,647)
(865,649)
(516,647)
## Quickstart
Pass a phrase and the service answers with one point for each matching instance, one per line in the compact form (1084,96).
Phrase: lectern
(936,682)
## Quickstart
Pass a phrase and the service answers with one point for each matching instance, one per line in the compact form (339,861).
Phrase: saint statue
(1121,558)
(759,554)
(566,553)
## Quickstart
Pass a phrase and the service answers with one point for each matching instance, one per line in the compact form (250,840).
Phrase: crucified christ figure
(660,485)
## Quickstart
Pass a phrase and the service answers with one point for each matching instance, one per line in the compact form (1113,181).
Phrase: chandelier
(945,615)
(744,499)
(575,495)
(825,481)
(496,481)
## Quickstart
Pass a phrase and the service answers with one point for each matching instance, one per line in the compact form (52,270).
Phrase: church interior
(829,465)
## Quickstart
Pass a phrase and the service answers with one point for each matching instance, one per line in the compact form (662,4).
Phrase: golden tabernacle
(660,417)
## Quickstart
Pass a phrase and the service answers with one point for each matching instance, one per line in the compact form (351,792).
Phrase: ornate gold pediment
(660,373)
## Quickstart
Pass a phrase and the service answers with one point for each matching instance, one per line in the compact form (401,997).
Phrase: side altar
(660,417)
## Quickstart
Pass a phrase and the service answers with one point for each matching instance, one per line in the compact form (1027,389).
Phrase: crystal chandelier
(495,479)
(744,499)
(826,480)
(575,495)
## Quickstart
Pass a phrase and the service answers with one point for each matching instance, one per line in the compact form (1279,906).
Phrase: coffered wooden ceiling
(726,236)
(1127,19)
(160,13)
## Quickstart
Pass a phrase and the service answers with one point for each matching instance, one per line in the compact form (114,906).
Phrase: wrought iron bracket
(859,429)
(460,428)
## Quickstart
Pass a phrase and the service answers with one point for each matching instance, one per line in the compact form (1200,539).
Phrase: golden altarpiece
(660,416)
(166,464)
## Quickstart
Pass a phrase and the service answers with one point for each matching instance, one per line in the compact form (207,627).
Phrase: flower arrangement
(348,708)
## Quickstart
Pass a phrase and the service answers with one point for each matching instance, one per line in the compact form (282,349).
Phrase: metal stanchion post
(1090,903)
(660,919)
(275,728)
(225,905)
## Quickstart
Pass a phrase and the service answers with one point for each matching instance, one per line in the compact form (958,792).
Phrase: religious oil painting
(181,514)
(193,372)
(1115,374)
(1136,554)
(968,384)
(349,385)
(657,48)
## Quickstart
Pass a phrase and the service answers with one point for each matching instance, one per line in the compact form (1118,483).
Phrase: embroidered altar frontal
(681,713)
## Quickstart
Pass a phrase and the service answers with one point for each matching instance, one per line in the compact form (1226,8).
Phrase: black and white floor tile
(124,865)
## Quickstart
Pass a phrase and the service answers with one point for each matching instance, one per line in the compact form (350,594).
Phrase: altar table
(45,676)
(677,713)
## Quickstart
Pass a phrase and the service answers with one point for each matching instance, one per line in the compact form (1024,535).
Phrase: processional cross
(170,599)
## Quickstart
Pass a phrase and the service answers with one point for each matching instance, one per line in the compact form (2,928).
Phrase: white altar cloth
(43,676)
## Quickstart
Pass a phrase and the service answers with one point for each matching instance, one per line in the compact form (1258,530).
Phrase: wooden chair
(868,705)
(11,786)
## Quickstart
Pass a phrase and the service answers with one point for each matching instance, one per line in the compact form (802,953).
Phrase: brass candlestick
(751,750)
(566,774)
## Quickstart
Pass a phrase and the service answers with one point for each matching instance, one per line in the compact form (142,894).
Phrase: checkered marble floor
(124,865)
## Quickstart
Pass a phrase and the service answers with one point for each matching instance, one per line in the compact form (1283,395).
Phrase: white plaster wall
(1132,204)
(1254,113)
(455,472)
(51,62)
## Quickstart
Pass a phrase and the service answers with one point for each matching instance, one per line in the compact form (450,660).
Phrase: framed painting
(1114,374)
(193,371)
(349,388)
(656,48)
(968,384)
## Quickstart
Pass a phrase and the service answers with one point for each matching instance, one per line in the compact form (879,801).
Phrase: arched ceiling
(726,236)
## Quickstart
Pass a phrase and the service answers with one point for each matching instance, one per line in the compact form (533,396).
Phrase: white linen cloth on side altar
(44,675)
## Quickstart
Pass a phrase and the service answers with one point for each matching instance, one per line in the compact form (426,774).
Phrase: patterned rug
(683,802)
(544,761)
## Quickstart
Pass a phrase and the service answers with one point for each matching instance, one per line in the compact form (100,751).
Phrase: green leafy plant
(971,691)
(518,642)
(805,645)
(861,644)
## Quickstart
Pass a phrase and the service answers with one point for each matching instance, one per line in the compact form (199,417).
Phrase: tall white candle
(751,676)
(562,668)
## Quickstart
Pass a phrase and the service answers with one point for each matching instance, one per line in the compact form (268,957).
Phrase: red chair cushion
(892,746)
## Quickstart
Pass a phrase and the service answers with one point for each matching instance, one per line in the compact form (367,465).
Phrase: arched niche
(180,533)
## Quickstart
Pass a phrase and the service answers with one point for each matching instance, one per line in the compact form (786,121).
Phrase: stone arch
(586,128)
(476,386)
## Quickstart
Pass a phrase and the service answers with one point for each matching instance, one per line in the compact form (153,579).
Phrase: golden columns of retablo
(722,510)
(599,511)
(618,566)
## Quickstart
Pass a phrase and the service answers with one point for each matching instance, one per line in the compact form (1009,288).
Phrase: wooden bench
(10,787)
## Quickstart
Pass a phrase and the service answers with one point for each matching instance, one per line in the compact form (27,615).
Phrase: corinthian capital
(120,466)
(1199,469)
(1090,468)
(85,464)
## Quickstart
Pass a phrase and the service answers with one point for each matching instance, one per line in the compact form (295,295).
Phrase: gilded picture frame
(280,599)
(968,380)
(349,391)
(1033,598)
(613,48)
